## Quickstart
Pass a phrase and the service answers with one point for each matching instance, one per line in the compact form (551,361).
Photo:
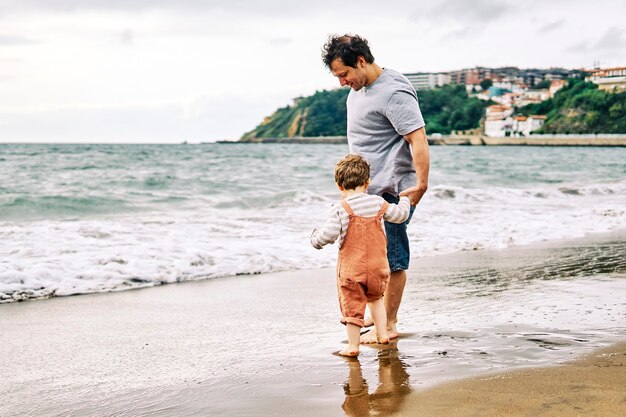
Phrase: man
(385,125)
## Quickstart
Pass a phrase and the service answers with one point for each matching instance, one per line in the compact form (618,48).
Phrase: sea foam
(143,216)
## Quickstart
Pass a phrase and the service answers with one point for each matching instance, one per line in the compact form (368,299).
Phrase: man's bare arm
(421,162)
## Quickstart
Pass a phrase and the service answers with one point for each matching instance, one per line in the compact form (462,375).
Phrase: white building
(498,120)
(609,79)
(428,80)
(522,125)
(537,95)
(498,128)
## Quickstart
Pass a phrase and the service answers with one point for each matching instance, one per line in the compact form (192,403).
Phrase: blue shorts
(398,251)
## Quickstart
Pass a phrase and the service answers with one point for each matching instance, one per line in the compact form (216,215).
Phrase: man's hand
(414,193)
(421,163)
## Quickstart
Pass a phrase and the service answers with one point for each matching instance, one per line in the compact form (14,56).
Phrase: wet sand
(263,345)
(592,386)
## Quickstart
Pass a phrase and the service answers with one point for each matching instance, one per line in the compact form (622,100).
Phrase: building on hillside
(609,79)
(428,80)
(470,75)
(523,126)
(555,86)
(507,99)
(537,95)
(497,91)
(532,97)
(498,120)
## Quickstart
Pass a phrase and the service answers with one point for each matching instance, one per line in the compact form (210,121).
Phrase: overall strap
(347,207)
(383,209)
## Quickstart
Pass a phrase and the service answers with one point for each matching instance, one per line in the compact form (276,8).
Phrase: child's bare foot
(350,351)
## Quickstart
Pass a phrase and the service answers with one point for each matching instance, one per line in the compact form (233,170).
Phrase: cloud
(551,26)
(196,119)
(240,7)
(613,38)
(477,11)
(280,41)
(578,47)
(127,37)
(462,33)
(11,40)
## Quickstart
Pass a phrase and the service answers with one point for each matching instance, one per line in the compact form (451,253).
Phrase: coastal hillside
(324,114)
(580,107)
(577,108)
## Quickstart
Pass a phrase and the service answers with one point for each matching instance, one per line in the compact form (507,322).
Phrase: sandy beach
(497,332)
(592,386)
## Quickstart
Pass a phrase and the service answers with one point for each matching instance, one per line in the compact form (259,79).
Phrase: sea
(84,218)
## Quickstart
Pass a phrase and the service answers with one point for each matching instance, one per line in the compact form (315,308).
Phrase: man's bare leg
(392,299)
(379,315)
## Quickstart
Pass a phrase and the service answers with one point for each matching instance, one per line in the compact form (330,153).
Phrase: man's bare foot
(350,352)
(392,331)
(371,337)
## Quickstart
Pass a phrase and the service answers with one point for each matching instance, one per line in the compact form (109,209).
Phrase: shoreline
(602,140)
(260,345)
(596,237)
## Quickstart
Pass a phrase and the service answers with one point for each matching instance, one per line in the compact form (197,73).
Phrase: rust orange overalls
(362,268)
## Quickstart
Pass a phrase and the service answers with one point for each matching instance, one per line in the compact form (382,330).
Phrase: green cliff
(580,107)
(324,114)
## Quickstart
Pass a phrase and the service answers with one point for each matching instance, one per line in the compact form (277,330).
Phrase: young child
(362,268)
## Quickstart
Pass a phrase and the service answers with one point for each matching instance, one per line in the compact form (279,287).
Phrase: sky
(156,71)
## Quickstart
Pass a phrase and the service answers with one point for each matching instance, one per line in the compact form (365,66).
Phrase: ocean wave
(159,182)
(27,207)
(152,215)
(448,192)
(56,258)
(80,168)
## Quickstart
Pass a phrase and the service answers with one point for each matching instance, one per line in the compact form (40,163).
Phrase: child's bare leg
(354,333)
(379,315)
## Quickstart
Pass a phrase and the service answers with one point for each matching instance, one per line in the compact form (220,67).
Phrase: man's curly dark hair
(348,48)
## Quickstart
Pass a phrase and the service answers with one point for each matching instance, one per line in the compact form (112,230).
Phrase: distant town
(512,87)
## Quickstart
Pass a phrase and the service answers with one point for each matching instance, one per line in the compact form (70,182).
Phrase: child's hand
(314,241)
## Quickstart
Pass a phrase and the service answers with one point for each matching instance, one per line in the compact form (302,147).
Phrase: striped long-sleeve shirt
(363,205)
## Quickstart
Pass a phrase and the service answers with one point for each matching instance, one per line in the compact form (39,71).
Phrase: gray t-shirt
(379,115)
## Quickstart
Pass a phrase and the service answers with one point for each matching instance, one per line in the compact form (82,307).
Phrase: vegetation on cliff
(450,108)
(324,114)
(580,107)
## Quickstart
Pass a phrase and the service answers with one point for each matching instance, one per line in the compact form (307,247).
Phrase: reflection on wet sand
(390,393)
